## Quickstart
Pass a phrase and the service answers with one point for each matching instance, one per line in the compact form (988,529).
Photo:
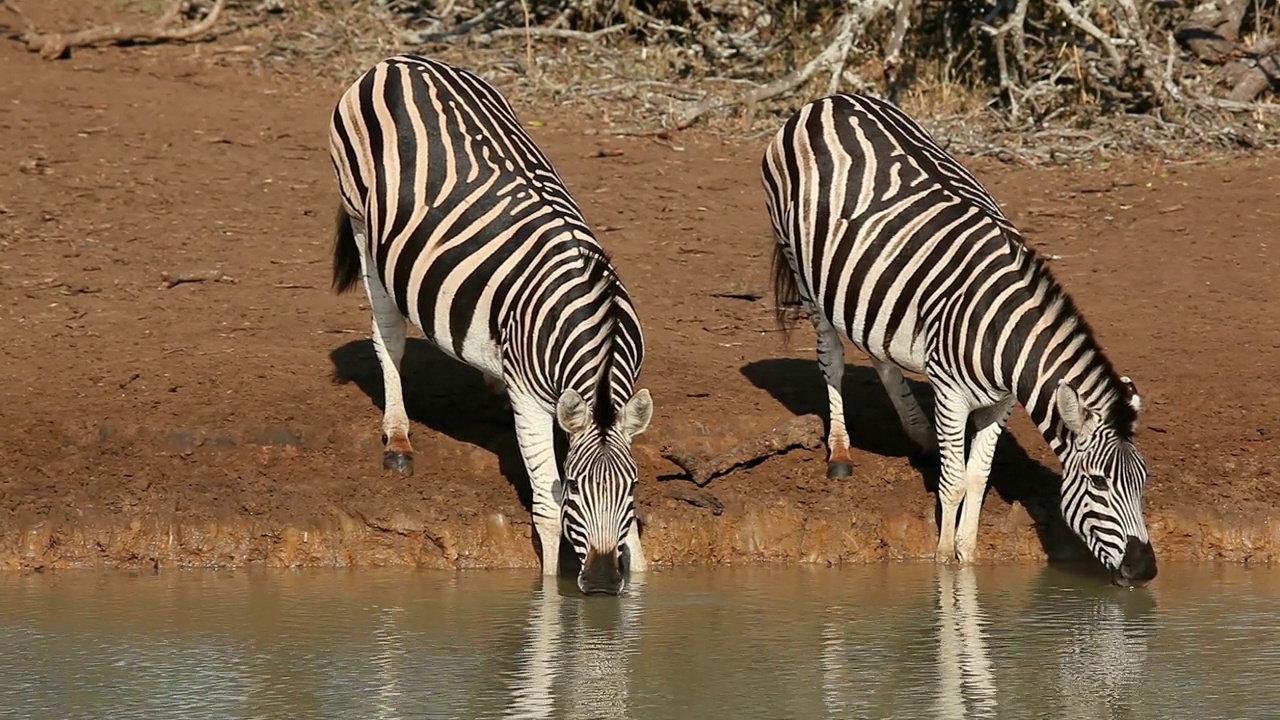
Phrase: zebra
(457,221)
(882,235)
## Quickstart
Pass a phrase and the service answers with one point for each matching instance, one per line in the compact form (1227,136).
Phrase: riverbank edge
(673,535)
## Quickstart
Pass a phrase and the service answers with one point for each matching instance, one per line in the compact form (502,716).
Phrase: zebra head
(598,494)
(1103,479)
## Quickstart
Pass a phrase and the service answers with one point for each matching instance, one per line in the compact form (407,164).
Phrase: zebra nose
(1138,566)
(601,574)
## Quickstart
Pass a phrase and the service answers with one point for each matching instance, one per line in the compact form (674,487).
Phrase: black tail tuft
(786,293)
(346,255)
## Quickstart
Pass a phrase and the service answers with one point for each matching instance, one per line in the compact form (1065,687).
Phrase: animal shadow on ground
(449,397)
(874,427)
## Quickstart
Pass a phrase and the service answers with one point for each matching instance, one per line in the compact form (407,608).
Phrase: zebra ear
(572,412)
(637,413)
(1080,420)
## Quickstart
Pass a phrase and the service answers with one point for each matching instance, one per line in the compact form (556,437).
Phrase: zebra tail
(786,292)
(346,254)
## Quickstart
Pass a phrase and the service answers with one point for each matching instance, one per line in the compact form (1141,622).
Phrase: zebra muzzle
(601,574)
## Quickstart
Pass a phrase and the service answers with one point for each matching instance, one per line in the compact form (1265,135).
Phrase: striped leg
(952,411)
(989,421)
(535,429)
(636,561)
(914,422)
(388,343)
(831,360)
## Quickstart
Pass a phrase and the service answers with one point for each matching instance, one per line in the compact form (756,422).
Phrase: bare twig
(1092,31)
(804,431)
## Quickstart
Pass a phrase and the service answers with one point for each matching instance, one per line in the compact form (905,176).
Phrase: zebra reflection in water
(966,684)
(576,661)
(1071,649)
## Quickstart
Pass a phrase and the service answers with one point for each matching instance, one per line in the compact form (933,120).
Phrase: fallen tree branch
(805,431)
(58,45)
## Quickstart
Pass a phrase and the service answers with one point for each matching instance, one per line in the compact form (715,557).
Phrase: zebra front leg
(831,360)
(914,421)
(952,412)
(535,428)
(388,343)
(636,561)
(990,422)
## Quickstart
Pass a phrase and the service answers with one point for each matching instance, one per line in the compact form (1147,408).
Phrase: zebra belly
(904,347)
(479,350)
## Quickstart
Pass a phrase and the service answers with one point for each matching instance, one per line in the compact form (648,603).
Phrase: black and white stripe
(887,239)
(458,222)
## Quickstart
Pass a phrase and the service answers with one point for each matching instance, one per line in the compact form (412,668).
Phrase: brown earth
(223,423)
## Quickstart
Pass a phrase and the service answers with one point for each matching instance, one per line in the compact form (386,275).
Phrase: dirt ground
(238,422)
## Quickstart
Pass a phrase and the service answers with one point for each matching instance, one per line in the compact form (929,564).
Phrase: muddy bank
(392,523)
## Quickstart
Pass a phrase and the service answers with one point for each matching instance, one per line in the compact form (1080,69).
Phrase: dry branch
(58,45)
(805,431)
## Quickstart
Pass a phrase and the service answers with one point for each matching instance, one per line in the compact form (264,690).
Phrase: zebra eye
(1099,482)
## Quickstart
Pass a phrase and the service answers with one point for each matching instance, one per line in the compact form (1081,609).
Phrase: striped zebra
(884,236)
(457,221)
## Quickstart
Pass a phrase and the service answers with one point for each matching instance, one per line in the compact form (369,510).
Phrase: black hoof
(839,469)
(398,462)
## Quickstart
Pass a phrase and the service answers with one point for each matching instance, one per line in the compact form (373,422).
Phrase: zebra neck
(1073,356)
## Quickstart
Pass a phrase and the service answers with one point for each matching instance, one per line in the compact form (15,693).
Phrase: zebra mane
(1119,414)
(601,275)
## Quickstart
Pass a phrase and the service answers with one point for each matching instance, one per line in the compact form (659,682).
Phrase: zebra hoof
(839,469)
(398,462)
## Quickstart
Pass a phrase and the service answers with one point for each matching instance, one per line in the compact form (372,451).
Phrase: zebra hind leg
(831,360)
(990,423)
(914,421)
(952,412)
(388,343)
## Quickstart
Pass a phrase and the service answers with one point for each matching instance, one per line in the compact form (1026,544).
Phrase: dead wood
(805,431)
(54,45)
(1213,29)
(1253,75)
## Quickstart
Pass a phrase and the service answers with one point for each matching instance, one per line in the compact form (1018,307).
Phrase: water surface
(891,641)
